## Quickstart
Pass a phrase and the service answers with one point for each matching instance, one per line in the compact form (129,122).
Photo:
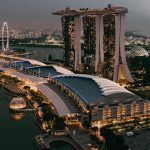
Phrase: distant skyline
(37,13)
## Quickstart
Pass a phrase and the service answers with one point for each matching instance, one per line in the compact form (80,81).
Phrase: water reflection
(17,116)
(17,129)
(60,145)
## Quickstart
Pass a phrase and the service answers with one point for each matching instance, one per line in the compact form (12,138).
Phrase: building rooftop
(96,90)
(32,61)
(20,64)
(49,70)
(86,11)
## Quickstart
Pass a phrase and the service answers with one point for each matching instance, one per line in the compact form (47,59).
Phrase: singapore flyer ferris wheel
(5,37)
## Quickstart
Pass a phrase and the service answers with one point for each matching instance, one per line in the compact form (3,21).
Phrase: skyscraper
(68,34)
(102,50)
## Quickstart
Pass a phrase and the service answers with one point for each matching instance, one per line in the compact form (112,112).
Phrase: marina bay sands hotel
(94,41)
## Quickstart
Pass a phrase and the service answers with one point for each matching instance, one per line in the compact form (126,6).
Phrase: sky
(37,13)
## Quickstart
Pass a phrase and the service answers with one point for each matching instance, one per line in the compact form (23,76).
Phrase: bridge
(44,141)
(74,135)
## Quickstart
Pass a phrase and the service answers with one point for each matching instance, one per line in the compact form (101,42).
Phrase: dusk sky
(37,13)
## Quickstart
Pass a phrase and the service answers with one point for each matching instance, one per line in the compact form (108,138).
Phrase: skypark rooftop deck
(86,11)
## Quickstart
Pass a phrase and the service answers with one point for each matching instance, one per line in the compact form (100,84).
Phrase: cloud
(38,12)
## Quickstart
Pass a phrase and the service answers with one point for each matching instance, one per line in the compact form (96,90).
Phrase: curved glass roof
(93,89)
(51,70)
(20,64)
(62,70)
(44,71)
(87,89)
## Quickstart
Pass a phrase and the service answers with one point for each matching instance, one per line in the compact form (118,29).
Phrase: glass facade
(109,46)
(68,29)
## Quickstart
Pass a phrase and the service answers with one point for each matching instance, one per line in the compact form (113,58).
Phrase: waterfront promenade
(53,97)
(79,141)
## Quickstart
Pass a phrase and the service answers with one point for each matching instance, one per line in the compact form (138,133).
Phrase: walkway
(25,110)
(57,101)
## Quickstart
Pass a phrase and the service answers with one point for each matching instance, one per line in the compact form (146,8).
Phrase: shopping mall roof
(96,90)
(20,64)
(62,70)
(32,61)
(49,70)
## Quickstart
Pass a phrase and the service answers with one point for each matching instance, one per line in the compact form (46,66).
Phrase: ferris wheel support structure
(5,26)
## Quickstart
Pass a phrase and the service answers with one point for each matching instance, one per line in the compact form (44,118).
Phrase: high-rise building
(89,44)
(109,46)
(102,50)
(69,37)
